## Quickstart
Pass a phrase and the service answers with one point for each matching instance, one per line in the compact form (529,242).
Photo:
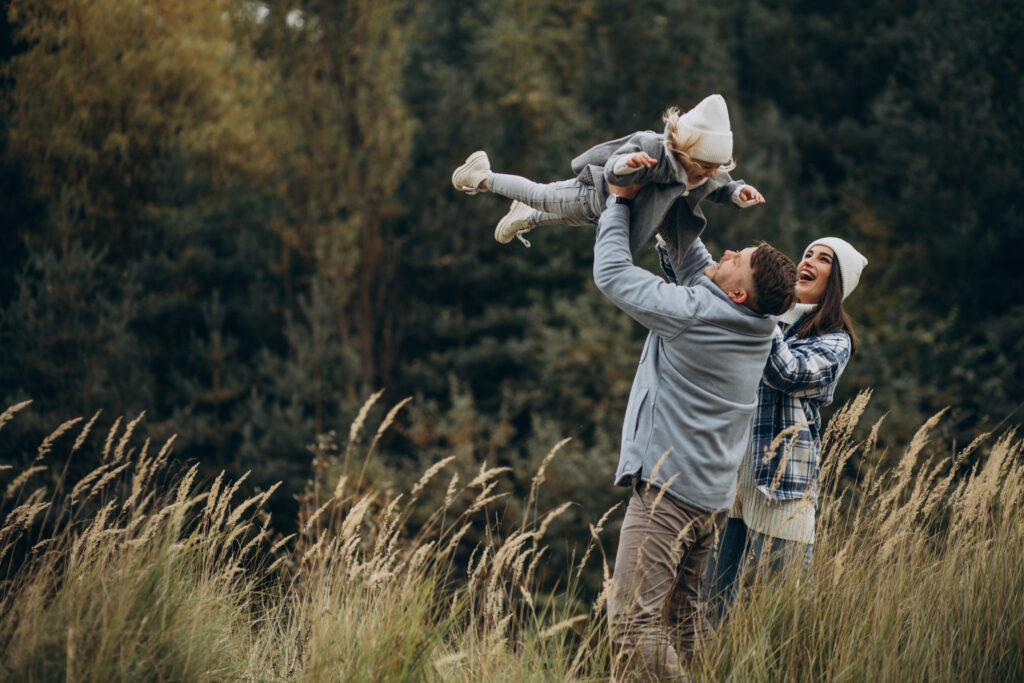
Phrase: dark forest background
(237,217)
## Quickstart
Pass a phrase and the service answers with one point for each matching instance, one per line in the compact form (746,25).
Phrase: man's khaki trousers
(663,549)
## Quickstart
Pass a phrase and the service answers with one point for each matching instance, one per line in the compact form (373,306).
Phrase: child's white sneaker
(467,178)
(514,224)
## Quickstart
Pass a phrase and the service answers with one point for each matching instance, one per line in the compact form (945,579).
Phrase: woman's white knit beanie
(851,261)
(710,120)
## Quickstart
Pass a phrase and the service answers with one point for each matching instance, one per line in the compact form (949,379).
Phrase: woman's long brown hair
(829,316)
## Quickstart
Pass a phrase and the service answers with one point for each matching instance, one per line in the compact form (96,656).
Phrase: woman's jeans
(742,556)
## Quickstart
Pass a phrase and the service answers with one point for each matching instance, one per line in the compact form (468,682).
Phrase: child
(689,161)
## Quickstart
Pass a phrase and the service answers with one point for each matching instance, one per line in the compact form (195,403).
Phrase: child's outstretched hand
(638,159)
(749,193)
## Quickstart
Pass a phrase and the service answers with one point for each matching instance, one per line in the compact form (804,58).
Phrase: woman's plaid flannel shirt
(799,378)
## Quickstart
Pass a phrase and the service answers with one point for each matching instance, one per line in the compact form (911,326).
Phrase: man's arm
(664,261)
(683,266)
(664,308)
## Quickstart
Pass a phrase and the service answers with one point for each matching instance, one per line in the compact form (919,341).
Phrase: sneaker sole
(513,223)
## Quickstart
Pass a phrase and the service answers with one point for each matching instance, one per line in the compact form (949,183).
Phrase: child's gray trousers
(566,202)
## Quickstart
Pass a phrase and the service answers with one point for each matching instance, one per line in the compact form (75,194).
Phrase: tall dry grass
(918,572)
(139,571)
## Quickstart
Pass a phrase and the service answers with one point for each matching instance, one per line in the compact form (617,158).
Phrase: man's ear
(738,296)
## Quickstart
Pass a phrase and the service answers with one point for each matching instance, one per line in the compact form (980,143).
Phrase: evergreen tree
(67,344)
(105,89)
(897,111)
(239,217)
(341,73)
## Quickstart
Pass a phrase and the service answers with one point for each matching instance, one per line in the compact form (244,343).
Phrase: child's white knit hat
(710,120)
(851,261)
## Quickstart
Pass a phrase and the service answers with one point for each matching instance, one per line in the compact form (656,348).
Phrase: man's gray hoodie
(695,388)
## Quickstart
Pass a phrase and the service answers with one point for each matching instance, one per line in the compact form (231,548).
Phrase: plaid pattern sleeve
(799,377)
(807,368)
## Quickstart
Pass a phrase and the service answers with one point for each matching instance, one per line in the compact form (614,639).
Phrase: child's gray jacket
(665,199)
(694,391)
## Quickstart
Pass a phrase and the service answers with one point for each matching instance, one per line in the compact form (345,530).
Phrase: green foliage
(240,219)
(345,145)
(105,89)
(906,122)
(67,340)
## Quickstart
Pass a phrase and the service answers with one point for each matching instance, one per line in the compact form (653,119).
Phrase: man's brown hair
(774,280)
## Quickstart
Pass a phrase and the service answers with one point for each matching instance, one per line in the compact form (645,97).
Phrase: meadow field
(239,217)
(140,571)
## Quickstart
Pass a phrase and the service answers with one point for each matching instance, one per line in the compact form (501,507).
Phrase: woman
(772,521)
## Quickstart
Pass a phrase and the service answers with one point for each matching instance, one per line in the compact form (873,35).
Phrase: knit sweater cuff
(742,203)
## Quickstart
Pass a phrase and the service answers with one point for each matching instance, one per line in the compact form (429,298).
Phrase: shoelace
(519,236)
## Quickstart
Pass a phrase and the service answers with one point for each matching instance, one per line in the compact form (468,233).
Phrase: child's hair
(681,144)
(774,280)
(829,316)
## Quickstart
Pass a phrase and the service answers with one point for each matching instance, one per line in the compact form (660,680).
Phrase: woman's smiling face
(812,274)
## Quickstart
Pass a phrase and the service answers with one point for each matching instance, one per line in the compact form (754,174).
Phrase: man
(687,423)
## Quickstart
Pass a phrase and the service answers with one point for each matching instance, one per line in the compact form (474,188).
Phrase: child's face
(697,170)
